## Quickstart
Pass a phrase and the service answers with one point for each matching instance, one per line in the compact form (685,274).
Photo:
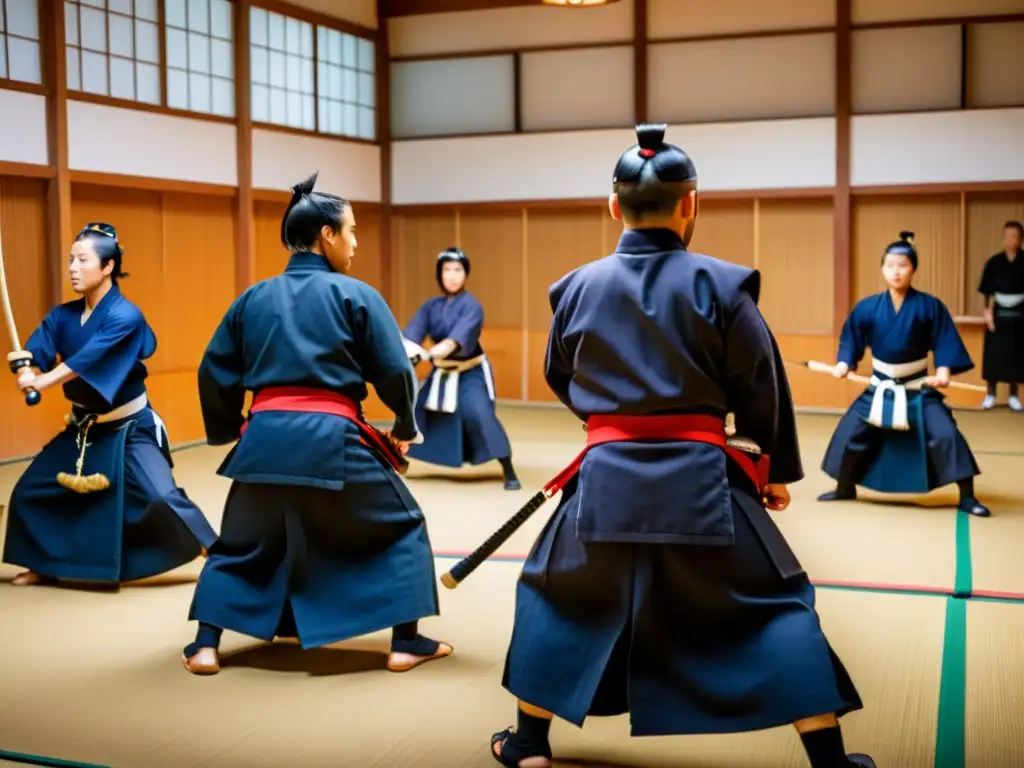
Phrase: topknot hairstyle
(651,177)
(108,248)
(904,247)
(308,212)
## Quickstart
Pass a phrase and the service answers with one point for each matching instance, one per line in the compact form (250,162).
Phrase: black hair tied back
(903,247)
(308,212)
(108,248)
(651,177)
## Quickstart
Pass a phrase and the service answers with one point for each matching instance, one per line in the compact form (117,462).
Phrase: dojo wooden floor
(96,677)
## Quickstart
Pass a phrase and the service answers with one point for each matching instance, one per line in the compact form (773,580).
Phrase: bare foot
(527,762)
(26,579)
(205,661)
(403,662)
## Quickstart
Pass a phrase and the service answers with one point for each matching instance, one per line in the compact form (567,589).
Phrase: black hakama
(686,639)
(319,564)
(931,454)
(1003,352)
(471,434)
(141,526)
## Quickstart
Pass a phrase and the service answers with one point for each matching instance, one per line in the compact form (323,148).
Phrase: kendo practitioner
(661,586)
(321,539)
(1002,285)
(455,407)
(899,436)
(99,502)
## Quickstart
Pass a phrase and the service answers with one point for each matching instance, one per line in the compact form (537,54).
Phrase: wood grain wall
(180,246)
(518,250)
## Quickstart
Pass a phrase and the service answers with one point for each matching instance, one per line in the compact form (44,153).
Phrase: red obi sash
(617,428)
(309,400)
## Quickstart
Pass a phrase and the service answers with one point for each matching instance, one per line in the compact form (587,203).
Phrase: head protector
(450,253)
(107,246)
(651,177)
(903,247)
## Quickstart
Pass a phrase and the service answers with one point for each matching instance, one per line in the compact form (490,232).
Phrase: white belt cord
(1008,300)
(443,394)
(132,407)
(900,421)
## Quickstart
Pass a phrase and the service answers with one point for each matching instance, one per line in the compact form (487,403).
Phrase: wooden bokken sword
(17,358)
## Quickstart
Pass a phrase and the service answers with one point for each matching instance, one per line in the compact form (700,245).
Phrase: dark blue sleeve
(947,346)
(558,361)
(106,359)
(221,380)
(44,343)
(852,341)
(418,328)
(385,363)
(758,390)
(466,330)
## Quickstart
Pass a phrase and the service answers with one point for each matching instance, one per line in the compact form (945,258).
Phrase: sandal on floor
(201,661)
(441,651)
(514,755)
(974,507)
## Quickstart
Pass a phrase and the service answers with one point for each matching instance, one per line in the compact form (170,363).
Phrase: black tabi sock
(507,468)
(966,489)
(532,734)
(825,748)
(992,388)
(207,636)
(405,638)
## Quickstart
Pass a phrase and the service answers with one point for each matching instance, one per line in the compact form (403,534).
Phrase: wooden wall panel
(23,228)
(557,241)
(197,282)
(271,256)
(366,264)
(936,223)
(725,230)
(179,254)
(537,389)
(493,241)
(611,231)
(986,215)
(794,255)
(810,389)
(417,238)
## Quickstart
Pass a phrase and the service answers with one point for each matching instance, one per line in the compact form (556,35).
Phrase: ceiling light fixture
(577,3)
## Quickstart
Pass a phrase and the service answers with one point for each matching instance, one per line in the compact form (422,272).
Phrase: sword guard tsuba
(18,360)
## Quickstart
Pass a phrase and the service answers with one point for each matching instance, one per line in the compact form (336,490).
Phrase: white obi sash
(900,377)
(1008,300)
(443,383)
(132,407)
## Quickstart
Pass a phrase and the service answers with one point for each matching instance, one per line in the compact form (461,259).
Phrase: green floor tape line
(53,762)
(950,751)
(964,581)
